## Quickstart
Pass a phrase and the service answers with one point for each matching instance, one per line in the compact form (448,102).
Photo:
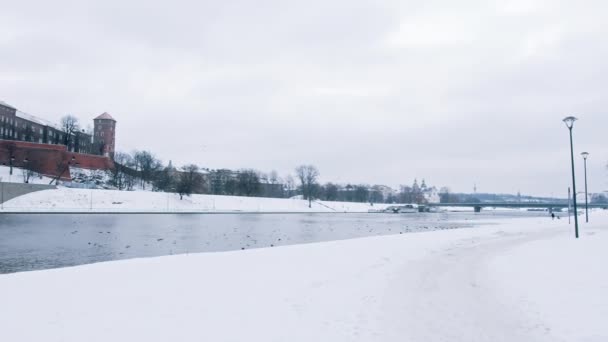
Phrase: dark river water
(35,242)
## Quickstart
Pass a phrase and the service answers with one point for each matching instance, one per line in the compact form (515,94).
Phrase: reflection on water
(33,242)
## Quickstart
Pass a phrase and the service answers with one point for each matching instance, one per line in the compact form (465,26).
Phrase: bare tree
(230,187)
(147,165)
(188,179)
(308,175)
(375,195)
(29,167)
(61,166)
(290,185)
(165,179)
(122,174)
(248,183)
(274,183)
(69,125)
(361,193)
(331,192)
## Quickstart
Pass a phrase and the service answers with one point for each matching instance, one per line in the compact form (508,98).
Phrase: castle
(47,147)
(20,126)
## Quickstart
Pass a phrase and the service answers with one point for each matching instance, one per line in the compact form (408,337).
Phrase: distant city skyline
(468,94)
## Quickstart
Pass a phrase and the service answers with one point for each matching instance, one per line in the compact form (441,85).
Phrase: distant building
(19,126)
(431,194)
(221,181)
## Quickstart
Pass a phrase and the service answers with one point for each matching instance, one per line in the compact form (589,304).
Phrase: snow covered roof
(6,105)
(105,116)
(36,120)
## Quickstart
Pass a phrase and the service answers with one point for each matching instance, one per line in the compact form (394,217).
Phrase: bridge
(479,206)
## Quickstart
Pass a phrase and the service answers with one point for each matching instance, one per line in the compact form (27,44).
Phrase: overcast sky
(456,92)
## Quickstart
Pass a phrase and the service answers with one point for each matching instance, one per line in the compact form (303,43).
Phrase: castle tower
(104,135)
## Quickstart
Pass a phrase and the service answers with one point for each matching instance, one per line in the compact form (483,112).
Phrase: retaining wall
(49,160)
(9,191)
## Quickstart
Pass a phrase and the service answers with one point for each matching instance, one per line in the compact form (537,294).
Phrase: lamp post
(585,156)
(569,121)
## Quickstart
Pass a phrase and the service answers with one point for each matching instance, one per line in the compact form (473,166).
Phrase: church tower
(104,135)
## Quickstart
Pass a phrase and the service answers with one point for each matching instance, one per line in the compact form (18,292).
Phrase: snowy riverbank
(521,280)
(86,200)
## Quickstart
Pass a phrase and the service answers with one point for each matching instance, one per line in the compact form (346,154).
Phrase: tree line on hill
(142,170)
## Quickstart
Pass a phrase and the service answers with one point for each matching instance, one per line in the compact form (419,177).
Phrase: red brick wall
(49,160)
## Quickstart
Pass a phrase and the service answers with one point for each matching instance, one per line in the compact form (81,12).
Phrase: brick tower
(104,136)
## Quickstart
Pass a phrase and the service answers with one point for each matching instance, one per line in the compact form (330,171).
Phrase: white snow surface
(520,280)
(75,200)
(17,176)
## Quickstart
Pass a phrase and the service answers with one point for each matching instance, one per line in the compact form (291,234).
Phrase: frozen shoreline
(521,280)
(67,200)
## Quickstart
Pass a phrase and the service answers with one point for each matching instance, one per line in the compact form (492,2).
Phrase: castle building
(19,126)
(104,134)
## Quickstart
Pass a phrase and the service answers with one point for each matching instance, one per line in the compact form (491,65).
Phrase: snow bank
(17,176)
(66,199)
(558,283)
(523,280)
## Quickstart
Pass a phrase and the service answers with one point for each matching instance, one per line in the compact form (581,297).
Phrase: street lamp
(569,121)
(585,156)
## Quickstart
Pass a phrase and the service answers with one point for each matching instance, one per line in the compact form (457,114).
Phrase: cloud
(374,92)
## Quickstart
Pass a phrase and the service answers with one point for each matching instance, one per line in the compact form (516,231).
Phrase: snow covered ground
(70,200)
(520,280)
(97,200)
(79,198)
(17,176)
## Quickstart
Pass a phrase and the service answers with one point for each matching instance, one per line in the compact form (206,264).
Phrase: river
(42,241)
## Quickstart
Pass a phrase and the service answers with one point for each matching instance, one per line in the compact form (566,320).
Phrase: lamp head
(585,155)
(569,121)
